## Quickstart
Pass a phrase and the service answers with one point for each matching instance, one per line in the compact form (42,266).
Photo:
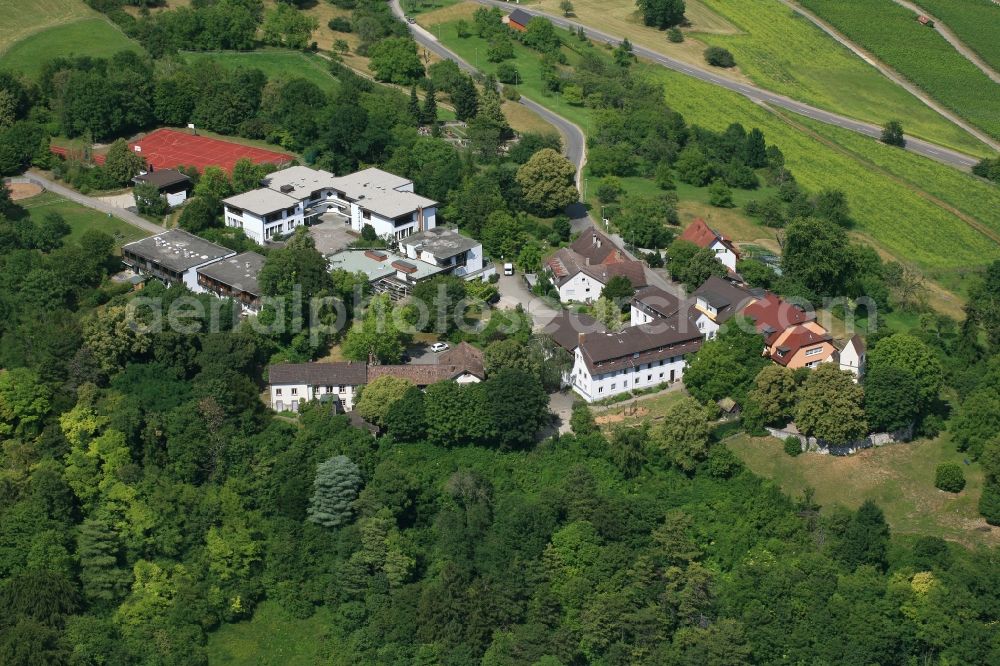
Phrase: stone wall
(812,445)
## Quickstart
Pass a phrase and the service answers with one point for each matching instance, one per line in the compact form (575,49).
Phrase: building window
(277,391)
(649,378)
(600,389)
(814,351)
(295,391)
(612,387)
(340,389)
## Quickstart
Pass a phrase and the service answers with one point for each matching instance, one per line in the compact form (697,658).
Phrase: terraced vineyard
(976,22)
(772,52)
(922,55)
(896,216)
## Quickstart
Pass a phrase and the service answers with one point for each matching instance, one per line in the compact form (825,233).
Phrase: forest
(148,498)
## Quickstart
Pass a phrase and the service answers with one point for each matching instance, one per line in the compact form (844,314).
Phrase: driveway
(561,404)
(332,234)
(514,292)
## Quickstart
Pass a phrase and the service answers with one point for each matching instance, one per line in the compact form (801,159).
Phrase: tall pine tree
(428,115)
(414,105)
(99,549)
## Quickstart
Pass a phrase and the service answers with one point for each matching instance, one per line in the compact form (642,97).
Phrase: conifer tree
(335,489)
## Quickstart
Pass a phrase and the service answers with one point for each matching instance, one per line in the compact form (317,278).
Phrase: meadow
(275,63)
(974,21)
(889,213)
(899,478)
(80,218)
(919,53)
(95,37)
(25,17)
(768,40)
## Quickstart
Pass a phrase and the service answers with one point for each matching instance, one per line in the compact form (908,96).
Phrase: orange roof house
(802,346)
(704,236)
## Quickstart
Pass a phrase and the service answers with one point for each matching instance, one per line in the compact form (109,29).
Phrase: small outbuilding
(173,185)
(518,20)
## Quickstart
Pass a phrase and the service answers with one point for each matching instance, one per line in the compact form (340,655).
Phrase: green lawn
(772,49)
(890,213)
(80,218)
(95,37)
(898,477)
(25,17)
(276,64)
(270,638)
(918,52)
(974,21)
(414,7)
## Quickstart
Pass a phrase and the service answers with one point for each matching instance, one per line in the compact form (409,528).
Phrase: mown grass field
(922,55)
(91,37)
(271,638)
(276,63)
(898,477)
(891,214)
(20,18)
(768,41)
(80,218)
(976,22)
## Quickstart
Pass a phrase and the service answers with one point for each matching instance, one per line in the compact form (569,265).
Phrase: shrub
(511,93)
(989,503)
(609,189)
(949,477)
(716,56)
(675,35)
(339,24)
(793,446)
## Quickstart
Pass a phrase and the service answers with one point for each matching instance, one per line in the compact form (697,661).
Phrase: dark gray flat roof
(441,242)
(239,272)
(177,250)
(164,178)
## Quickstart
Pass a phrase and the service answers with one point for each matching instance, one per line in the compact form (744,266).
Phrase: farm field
(276,63)
(974,21)
(919,53)
(899,478)
(767,40)
(888,213)
(91,37)
(25,17)
(80,218)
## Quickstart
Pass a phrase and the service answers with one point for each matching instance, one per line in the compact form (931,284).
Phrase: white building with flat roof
(173,257)
(299,195)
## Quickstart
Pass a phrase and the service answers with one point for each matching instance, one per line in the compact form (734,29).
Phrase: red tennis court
(168,149)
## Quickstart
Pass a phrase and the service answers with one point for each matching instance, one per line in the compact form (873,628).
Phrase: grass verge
(276,63)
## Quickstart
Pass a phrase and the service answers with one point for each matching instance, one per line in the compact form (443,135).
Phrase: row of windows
(321,389)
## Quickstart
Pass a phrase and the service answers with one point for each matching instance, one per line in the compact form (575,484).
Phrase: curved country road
(574,142)
(927,149)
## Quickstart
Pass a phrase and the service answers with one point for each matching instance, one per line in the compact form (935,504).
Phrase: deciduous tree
(684,433)
(830,406)
(546,181)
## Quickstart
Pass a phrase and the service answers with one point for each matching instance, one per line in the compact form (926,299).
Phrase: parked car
(439,347)
(508,269)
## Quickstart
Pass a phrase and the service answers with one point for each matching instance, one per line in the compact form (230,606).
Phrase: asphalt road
(925,148)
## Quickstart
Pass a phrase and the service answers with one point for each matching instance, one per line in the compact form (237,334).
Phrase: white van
(508,269)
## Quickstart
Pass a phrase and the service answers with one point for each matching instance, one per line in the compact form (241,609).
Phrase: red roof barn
(518,20)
